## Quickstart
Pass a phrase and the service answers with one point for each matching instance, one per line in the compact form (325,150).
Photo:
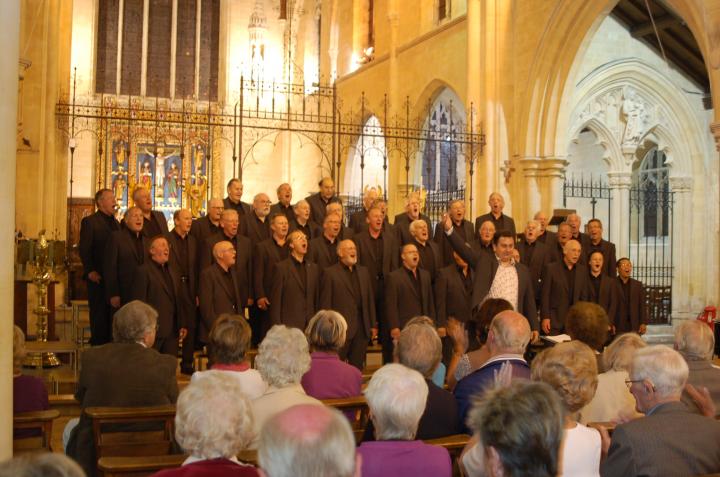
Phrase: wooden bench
(454,445)
(356,408)
(129,431)
(148,465)
(65,404)
(39,420)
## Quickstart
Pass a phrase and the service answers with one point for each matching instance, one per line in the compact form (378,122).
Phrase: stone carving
(635,116)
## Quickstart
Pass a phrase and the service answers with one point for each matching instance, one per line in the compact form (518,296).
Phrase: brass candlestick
(41,277)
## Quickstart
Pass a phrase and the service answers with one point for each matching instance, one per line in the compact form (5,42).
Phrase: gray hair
(619,354)
(301,202)
(307,441)
(524,423)
(415,224)
(397,397)
(664,367)
(47,464)
(695,340)
(511,330)
(419,348)
(326,331)
(283,356)
(133,321)
(213,418)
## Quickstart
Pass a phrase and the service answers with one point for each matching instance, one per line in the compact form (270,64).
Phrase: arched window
(368,162)
(440,169)
(654,193)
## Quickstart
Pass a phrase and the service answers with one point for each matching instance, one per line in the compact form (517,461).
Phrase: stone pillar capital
(681,184)
(619,180)
(715,130)
(530,166)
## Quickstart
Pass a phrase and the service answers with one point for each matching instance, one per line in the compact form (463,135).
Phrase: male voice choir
(283,262)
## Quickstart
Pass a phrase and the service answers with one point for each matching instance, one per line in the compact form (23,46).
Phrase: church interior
(605,108)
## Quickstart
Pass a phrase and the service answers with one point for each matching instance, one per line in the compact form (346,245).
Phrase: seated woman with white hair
(329,377)
(213,423)
(283,358)
(695,341)
(571,369)
(228,341)
(612,401)
(396,397)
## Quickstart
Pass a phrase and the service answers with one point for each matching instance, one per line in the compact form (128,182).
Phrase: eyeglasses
(629,382)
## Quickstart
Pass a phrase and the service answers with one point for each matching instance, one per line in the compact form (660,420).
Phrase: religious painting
(145,175)
(120,173)
(159,170)
(197,192)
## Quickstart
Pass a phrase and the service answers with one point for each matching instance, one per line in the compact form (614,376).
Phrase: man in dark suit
(377,250)
(597,244)
(296,289)
(95,232)
(256,223)
(670,439)
(283,205)
(556,250)
(499,220)
(157,283)
(533,255)
(234,198)
(319,201)
(323,250)
(126,251)
(303,222)
(545,236)
(154,222)
(575,222)
(453,299)
(463,227)
(208,225)
(408,294)
(219,290)
(337,208)
(499,277)
(184,253)
(243,254)
(412,213)
(632,312)
(430,252)
(358,220)
(564,283)
(346,288)
(127,372)
(266,256)
(606,290)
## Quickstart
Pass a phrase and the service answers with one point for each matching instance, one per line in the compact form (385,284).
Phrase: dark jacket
(320,254)
(366,257)
(504,223)
(95,232)
(442,240)
(451,297)
(254,229)
(292,301)
(217,297)
(243,262)
(171,304)
(120,263)
(402,227)
(636,307)
(265,259)
(201,229)
(194,266)
(338,293)
(556,299)
(318,206)
(536,264)
(402,301)
(278,208)
(310,229)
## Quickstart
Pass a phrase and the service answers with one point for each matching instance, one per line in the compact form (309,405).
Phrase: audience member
(283,358)
(519,430)
(419,348)
(670,439)
(465,361)
(588,322)
(397,397)
(308,441)
(213,424)
(329,377)
(695,342)
(46,464)
(29,392)
(228,342)
(127,372)
(612,401)
(507,339)
(570,368)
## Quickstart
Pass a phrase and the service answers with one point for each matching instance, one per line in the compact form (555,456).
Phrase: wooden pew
(129,431)
(355,408)
(140,466)
(454,445)
(41,420)
(66,404)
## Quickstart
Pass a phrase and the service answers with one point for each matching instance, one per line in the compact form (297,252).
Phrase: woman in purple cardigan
(29,392)
(329,377)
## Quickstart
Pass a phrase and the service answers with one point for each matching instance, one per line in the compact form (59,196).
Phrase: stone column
(681,245)
(9,77)
(393,17)
(553,170)
(715,130)
(473,97)
(533,198)
(619,183)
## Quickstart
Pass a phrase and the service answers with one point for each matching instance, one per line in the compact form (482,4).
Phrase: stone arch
(367,160)
(605,138)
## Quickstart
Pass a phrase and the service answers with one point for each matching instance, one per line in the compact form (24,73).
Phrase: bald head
(307,440)
(510,333)
(571,252)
